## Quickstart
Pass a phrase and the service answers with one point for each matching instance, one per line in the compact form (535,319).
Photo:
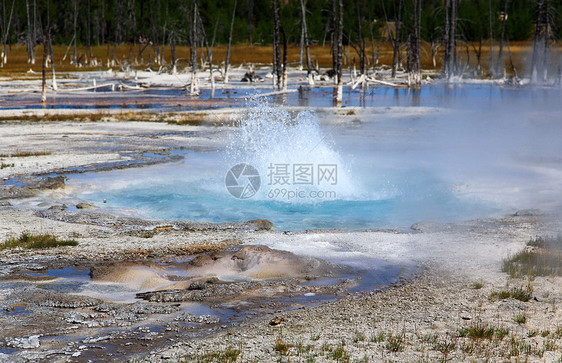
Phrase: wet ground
(55,308)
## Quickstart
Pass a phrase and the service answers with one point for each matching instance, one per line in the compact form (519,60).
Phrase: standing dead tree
(394,36)
(491,27)
(276,47)
(193,40)
(75,23)
(5,27)
(450,61)
(503,15)
(361,44)
(30,43)
(414,62)
(541,38)
(305,43)
(338,7)
(227,61)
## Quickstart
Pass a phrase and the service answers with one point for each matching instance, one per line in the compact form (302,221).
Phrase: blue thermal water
(493,151)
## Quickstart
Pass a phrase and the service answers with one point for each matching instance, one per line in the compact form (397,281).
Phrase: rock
(528,213)
(251,77)
(30,342)
(262,224)
(5,203)
(54,182)
(276,321)
(85,206)
(197,285)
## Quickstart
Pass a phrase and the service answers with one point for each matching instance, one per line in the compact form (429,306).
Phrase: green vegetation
(477,285)
(395,343)
(520,319)
(518,293)
(228,355)
(541,257)
(39,241)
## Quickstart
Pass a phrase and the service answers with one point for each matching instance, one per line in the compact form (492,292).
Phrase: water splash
(272,139)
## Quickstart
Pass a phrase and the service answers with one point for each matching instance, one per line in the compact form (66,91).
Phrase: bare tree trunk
(173,50)
(502,35)
(492,72)
(89,33)
(30,45)
(301,48)
(534,70)
(6,33)
(546,23)
(339,47)
(452,67)
(75,3)
(227,62)
(306,45)
(276,47)
(193,39)
(54,86)
(360,39)
(374,54)
(396,43)
(284,64)
(446,39)
(414,67)
(44,74)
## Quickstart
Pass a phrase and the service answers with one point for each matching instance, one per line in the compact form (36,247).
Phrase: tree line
(160,24)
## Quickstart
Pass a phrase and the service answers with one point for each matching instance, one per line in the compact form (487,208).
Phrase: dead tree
(452,43)
(54,85)
(44,74)
(193,40)
(414,64)
(374,55)
(30,45)
(276,47)
(173,51)
(492,72)
(227,61)
(394,36)
(502,36)
(542,24)
(360,39)
(89,33)
(284,62)
(339,51)
(75,23)
(305,41)
(5,34)
(450,60)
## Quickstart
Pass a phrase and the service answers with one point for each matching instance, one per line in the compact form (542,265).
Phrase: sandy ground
(419,319)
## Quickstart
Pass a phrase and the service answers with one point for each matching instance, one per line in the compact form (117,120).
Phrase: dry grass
(17,66)
(24,154)
(541,257)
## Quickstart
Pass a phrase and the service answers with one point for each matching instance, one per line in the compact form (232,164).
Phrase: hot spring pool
(388,168)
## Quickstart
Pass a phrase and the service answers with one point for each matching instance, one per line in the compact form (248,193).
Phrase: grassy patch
(520,319)
(518,293)
(228,355)
(38,241)
(395,343)
(25,154)
(541,257)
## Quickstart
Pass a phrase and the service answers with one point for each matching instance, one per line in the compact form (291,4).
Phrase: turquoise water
(492,151)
